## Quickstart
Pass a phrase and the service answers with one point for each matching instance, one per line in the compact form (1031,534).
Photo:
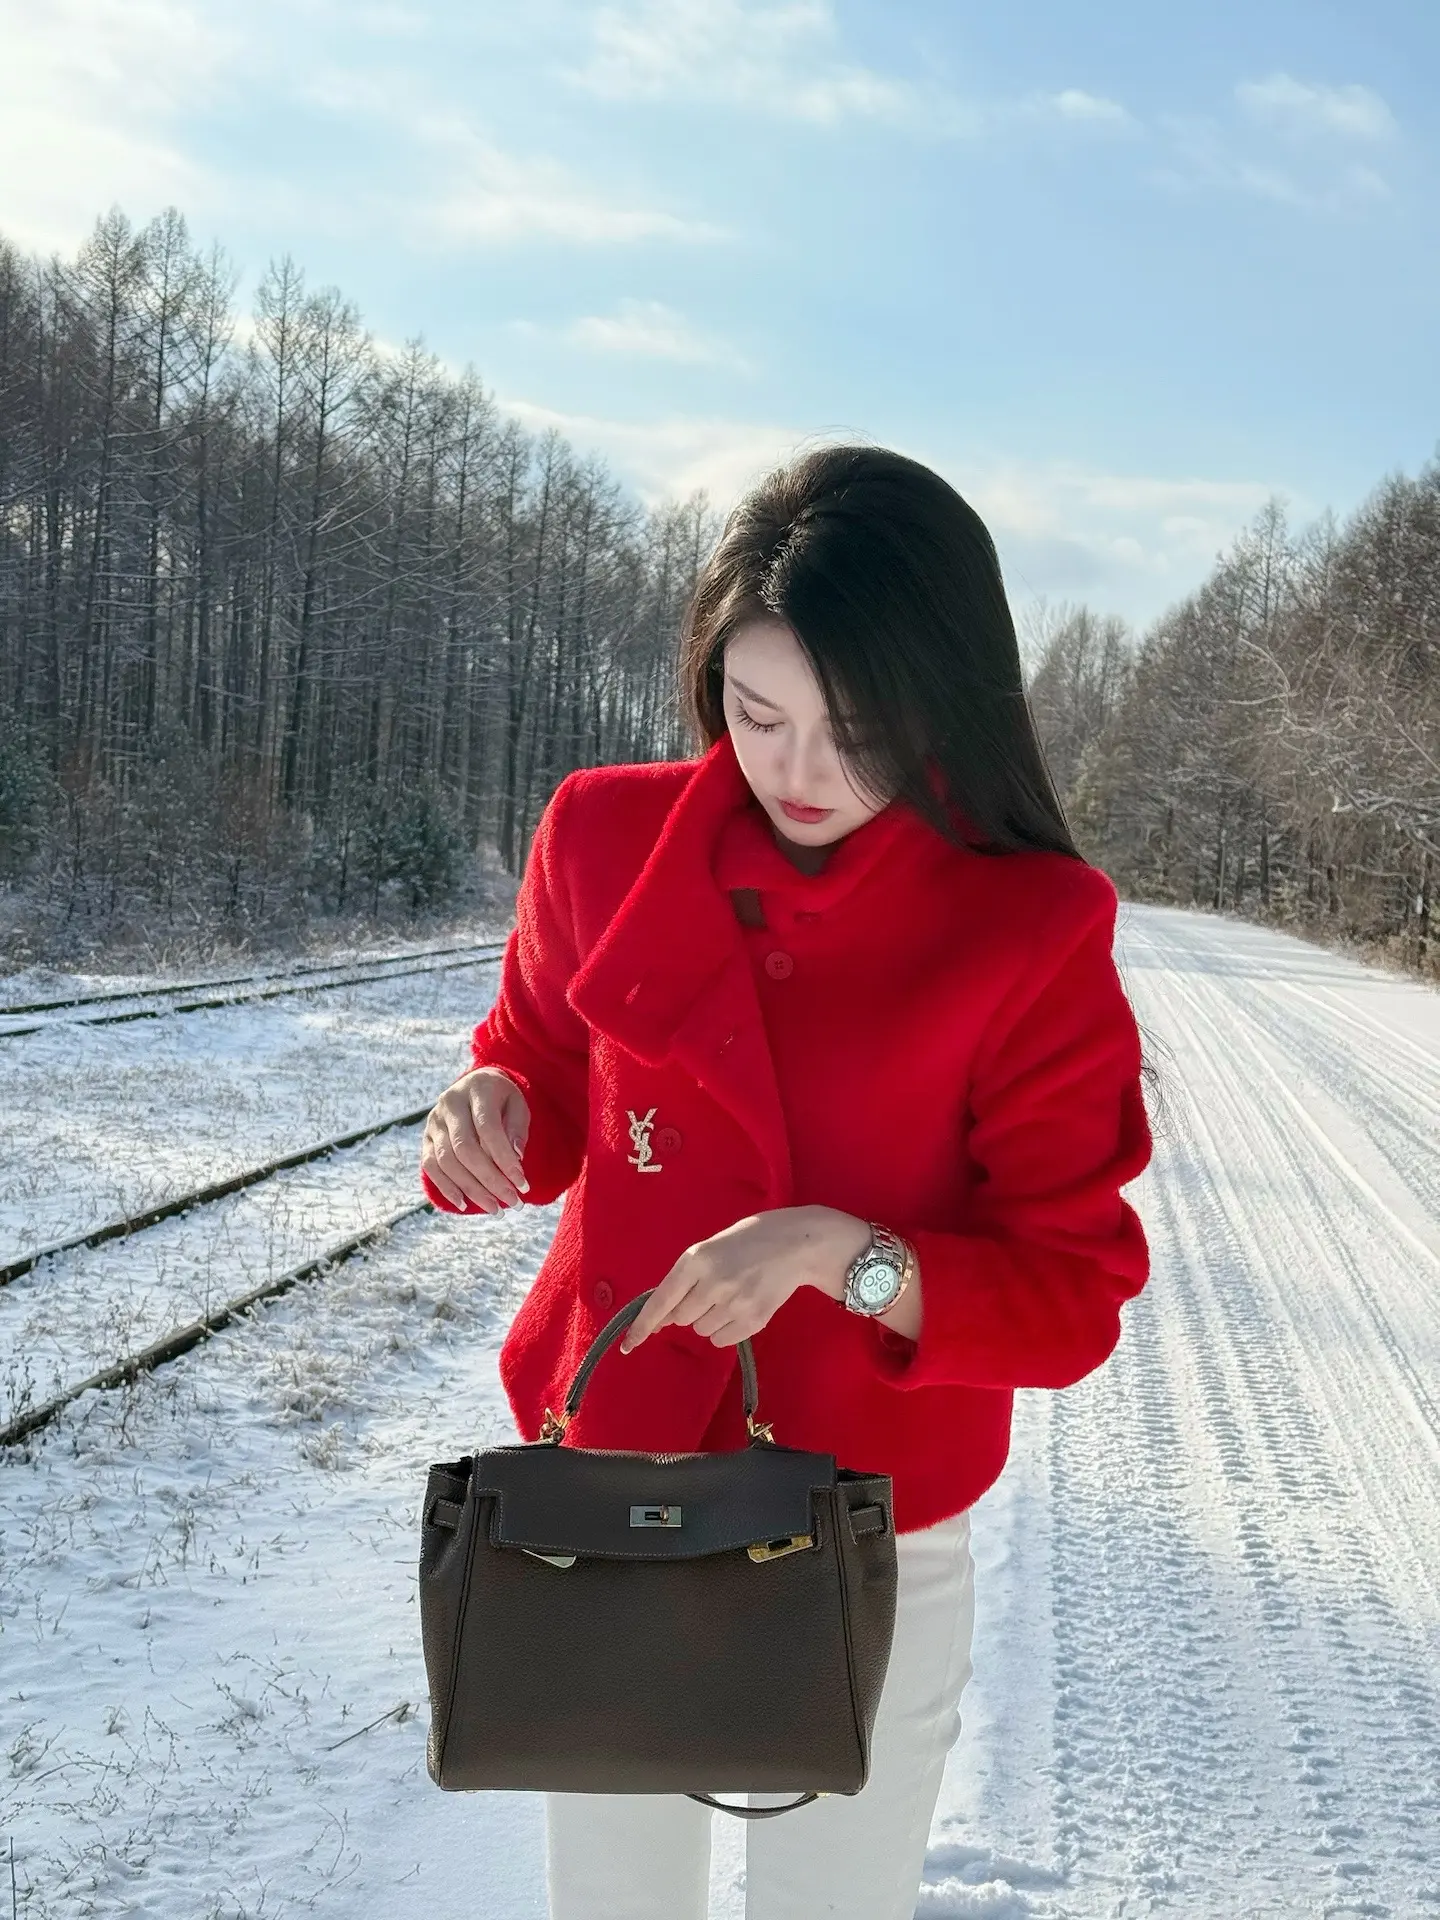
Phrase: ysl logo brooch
(640,1140)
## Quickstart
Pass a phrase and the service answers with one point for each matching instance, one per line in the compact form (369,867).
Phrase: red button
(603,1295)
(668,1139)
(779,965)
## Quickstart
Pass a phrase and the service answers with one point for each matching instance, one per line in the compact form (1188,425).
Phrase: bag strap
(610,1332)
(753,1813)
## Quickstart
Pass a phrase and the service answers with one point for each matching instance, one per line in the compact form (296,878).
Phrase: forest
(298,633)
(1271,745)
(289,625)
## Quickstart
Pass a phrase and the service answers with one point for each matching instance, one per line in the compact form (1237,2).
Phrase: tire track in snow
(1320,1197)
(1246,1554)
(1387,1082)
(1270,1277)
(1336,1233)
(1343,1248)
(1300,1534)
(1144,1696)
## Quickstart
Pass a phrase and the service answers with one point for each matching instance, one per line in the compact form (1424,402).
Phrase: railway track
(121,1372)
(203,1196)
(24,1421)
(252,987)
(170,1347)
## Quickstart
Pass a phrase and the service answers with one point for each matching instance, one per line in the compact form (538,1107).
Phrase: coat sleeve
(531,1032)
(1030,1294)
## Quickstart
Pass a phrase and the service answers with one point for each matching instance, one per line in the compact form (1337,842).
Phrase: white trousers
(646,1856)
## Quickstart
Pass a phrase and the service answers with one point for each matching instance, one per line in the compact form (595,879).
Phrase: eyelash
(743,717)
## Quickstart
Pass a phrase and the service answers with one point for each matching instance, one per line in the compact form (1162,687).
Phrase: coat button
(779,965)
(603,1295)
(668,1139)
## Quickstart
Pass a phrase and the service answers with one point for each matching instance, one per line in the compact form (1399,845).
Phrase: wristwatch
(876,1280)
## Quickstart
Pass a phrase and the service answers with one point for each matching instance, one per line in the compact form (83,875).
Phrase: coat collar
(670,977)
(746,855)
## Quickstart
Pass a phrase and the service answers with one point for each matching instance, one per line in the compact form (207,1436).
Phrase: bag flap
(647,1506)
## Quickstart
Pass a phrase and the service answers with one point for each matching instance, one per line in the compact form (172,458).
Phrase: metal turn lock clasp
(659,1516)
(777,1549)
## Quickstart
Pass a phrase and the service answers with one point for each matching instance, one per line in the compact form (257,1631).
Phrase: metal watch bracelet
(896,1252)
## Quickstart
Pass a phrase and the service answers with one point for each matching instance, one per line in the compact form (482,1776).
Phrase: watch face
(877,1283)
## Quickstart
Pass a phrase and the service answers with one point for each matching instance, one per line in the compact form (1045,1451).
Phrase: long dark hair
(891,584)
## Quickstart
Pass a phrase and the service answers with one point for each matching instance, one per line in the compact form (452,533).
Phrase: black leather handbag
(608,1621)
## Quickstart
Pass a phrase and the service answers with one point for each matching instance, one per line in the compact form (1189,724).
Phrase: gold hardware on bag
(555,1559)
(551,1428)
(759,1429)
(777,1549)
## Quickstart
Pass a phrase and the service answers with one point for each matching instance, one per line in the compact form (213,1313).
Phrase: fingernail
(523,1184)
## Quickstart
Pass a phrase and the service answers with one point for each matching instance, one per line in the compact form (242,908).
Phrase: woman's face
(775,709)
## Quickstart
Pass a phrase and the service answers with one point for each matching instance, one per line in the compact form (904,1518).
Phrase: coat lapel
(669,978)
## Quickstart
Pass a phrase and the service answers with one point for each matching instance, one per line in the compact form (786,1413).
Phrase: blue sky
(1120,271)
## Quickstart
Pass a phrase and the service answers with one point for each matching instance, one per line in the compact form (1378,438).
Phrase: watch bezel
(886,1249)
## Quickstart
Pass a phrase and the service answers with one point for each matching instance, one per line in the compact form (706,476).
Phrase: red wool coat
(920,1035)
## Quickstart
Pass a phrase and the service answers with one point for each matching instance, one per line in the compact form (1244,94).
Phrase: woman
(822,1037)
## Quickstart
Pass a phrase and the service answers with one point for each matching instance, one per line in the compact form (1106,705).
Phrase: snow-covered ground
(1208,1624)
(101,1122)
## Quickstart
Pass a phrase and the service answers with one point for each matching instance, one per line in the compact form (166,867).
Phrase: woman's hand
(474,1137)
(727,1287)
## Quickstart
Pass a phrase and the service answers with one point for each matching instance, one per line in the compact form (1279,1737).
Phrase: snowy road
(1234,1525)
(1208,1625)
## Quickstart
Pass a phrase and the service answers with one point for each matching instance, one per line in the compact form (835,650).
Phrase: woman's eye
(744,718)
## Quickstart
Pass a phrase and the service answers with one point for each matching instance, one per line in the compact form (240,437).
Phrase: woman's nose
(806,764)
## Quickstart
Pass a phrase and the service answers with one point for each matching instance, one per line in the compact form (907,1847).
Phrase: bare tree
(298,625)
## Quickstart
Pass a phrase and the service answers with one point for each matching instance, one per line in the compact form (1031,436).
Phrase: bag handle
(754,1813)
(553,1429)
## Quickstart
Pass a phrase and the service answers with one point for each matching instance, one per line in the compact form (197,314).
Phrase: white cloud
(1049,498)
(1128,543)
(98,99)
(777,59)
(1365,182)
(393,22)
(674,457)
(653,331)
(782,59)
(91,93)
(1285,147)
(1203,153)
(491,195)
(481,192)
(1299,106)
(1073,104)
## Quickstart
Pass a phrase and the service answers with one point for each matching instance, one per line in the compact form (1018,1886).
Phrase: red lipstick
(809,815)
